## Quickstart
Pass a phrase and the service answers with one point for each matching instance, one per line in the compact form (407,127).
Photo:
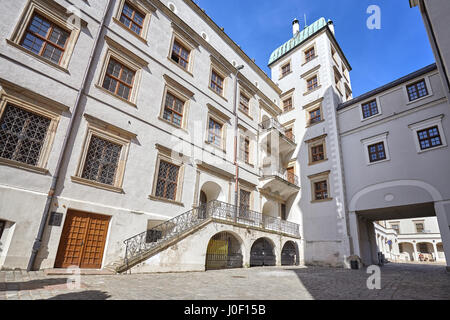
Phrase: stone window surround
(57,15)
(188,42)
(222,74)
(311,46)
(428,123)
(366,142)
(286,96)
(244,132)
(42,106)
(282,65)
(106,131)
(361,114)
(314,142)
(122,55)
(144,9)
(314,72)
(221,118)
(427,83)
(167,155)
(180,92)
(246,93)
(248,189)
(318,177)
(317,104)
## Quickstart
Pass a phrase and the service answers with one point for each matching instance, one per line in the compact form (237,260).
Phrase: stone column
(435,251)
(416,255)
(442,210)
(196,189)
(354,234)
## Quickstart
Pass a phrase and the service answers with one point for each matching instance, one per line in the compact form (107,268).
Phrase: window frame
(309,48)
(361,113)
(405,86)
(282,66)
(380,138)
(425,124)
(317,178)
(246,95)
(145,9)
(186,44)
(313,107)
(57,16)
(220,75)
(221,118)
(315,142)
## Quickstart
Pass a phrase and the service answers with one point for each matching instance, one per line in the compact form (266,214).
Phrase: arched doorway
(262,253)
(406,250)
(289,254)
(223,252)
(440,251)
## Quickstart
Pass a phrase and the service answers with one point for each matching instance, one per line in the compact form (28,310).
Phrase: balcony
(286,139)
(284,184)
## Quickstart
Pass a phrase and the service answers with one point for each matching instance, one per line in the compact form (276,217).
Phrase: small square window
(417,90)
(429,138)
(377,152)
(317,153)
(419,227)
(315,116)
(369,109)
(312,83)
(286,69)
(132,18)
(287,105)
(321,190)
(310,54)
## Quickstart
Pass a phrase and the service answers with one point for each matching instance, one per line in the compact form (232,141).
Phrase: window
(118,79)
(417,90)
(2,227)
(22,135)
(132,18)
(289,134)
(377,152)
(317,153)
(173,110)
(215,132)
(244,199)
(320,190)
(317,149)
(217,82)
(290,175)
(312,83)
(396,227)
(166,186)
(101,161)
(45,39)
(420,227)
(310,54)
(245,149)
(429,138)
(285,70)
(287,105)
(315,116)
(180,54)
(369,109)
(244,103)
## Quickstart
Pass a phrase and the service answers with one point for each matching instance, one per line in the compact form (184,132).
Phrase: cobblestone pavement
(398,281)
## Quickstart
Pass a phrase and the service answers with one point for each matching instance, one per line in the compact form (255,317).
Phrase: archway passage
(262,253)
(224,252)
(289,254)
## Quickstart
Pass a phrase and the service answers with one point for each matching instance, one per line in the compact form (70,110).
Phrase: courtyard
(398,281)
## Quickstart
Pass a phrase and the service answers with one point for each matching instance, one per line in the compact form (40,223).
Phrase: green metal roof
(297,40)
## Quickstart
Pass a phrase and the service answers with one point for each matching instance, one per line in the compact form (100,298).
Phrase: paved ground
(398,281)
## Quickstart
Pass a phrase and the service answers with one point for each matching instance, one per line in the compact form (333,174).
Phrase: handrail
(274,124)
(286,176)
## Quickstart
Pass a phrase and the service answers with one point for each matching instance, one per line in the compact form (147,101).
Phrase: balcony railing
(274,124)
(286,176)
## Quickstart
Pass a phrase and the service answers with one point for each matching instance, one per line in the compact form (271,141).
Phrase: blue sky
(377,57)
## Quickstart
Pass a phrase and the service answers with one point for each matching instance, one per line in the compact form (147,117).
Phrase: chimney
(331,25)
(295,27)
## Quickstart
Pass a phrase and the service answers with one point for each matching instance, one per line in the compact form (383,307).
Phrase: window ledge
(215,146)
(371,117)
(246,114)
(431,149)
(130,31)
(312,59)
(179,66)
(34,55)
(155,198)
(24,166)
(282,77)
(317,162)
(218,94)
(323,200)
(171,124)
(115,96)
(96,184)
(419,99)
(313,124)
(376,162)
(308,92)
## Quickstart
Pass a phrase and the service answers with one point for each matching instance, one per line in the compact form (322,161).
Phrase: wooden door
(82,241)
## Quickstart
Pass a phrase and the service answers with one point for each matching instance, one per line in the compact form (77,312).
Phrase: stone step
(63,272)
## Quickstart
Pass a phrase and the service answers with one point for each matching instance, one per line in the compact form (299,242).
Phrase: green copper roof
(298,39)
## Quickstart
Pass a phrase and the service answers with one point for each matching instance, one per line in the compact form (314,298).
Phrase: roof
(302,36)
(388,86)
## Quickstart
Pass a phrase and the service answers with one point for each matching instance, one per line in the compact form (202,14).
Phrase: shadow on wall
(33,284)
(83,295)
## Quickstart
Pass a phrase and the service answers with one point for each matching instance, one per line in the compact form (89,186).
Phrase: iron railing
(286,176)
(168,230)
(274,124)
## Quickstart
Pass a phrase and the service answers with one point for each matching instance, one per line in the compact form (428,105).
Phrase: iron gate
(289,254)
(262,254)
(223,252)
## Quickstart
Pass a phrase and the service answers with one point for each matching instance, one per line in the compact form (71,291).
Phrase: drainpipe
(54,184)
(236,176)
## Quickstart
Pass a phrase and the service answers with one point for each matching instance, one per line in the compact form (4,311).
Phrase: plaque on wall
(55,219)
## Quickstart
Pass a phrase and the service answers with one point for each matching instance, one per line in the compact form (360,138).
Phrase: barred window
(321,190)
(118,79)
(132,19)
(22,135)
(166,186)
(370,109)
(317,153)
(377,152)
(216,83)
(45,39)
(244,102)
(287,105)
(417,90)
(244,199)
(312,83)
(310,54)
(101,161)
(315,116)
(180,54)
(173,110)
(286,69)
(215,133)
(244,149)
(429,138)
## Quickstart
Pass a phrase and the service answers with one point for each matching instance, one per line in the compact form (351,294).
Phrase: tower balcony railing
(274,124)
(286,176)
